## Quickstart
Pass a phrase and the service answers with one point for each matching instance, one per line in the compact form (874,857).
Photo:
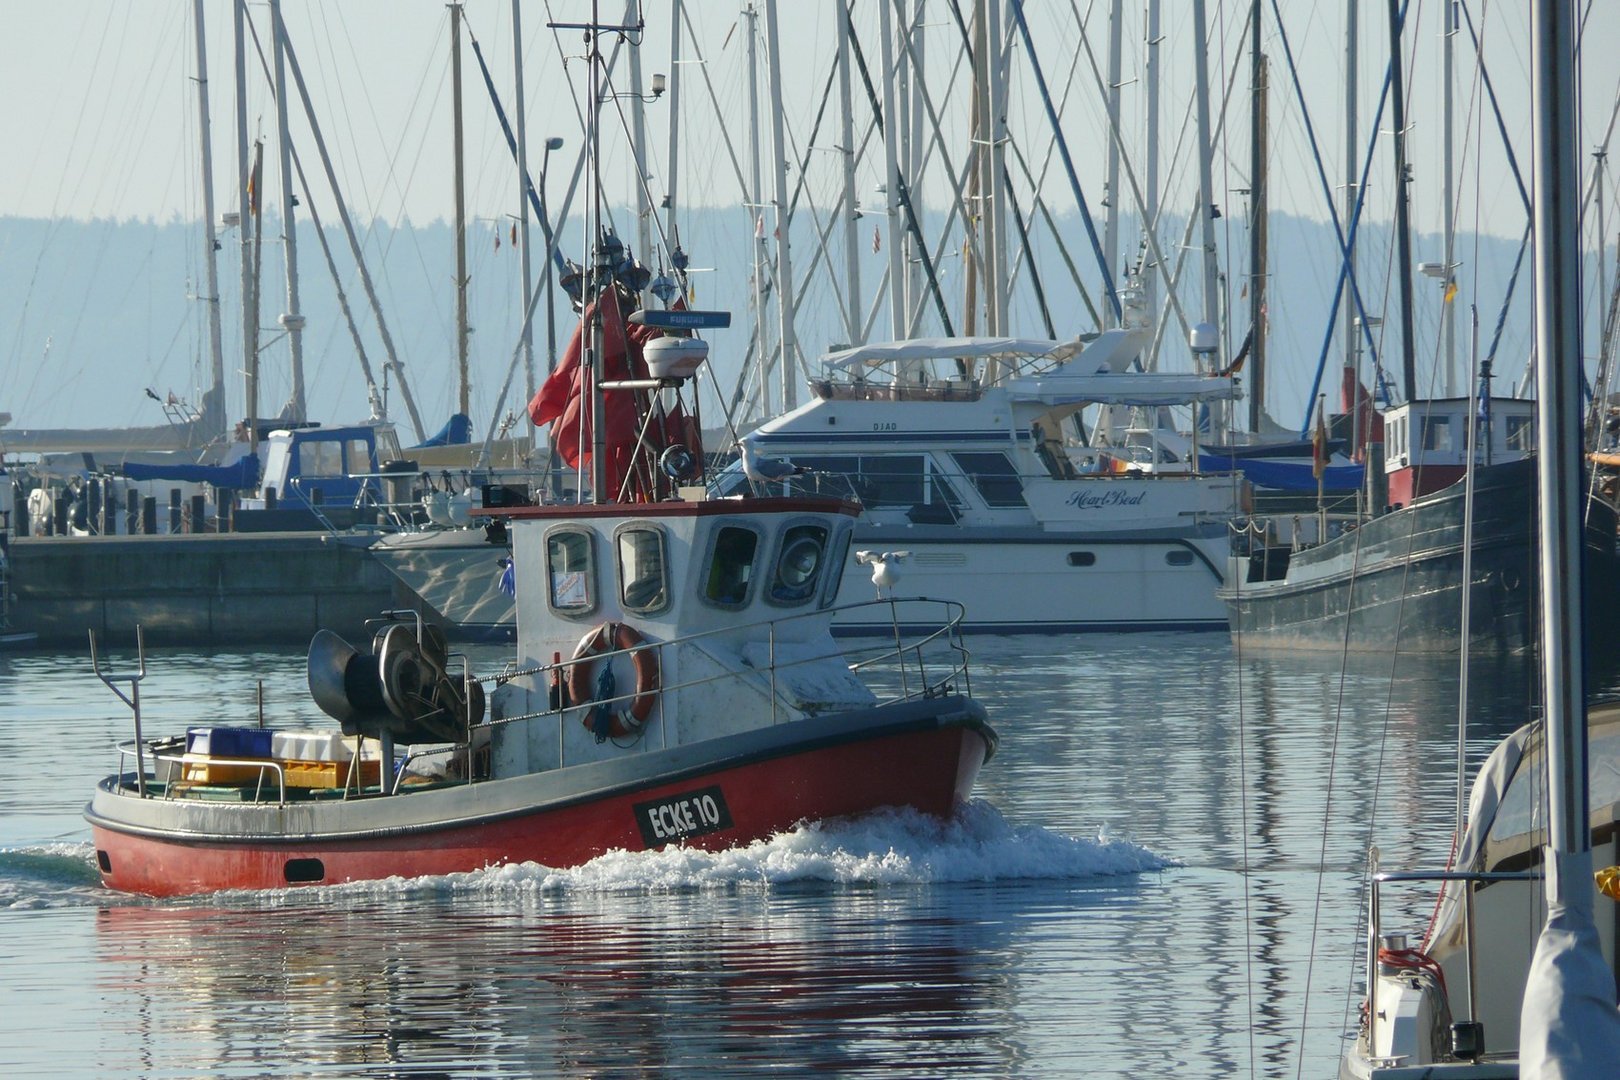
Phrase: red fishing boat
(675,682)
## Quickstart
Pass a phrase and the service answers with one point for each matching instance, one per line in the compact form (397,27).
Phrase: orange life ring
(581,689)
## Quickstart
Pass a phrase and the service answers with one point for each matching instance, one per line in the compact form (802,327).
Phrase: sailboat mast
(1403,225)
(1257,229)
(756,202)
(891,174)
(1448,199)
(846,136)
(1150,209)
(463,377)
(292,320)
(1558,413)
(248,192)
(1347,306)
(1206,183)
(213,402)
(784,264)
(1111,174)
(524,254)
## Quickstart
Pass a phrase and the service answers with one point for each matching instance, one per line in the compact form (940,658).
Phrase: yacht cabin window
(320,458)
(993,476)
(798,564)
(571,572)
(882,481)
(643,570)
(731,566)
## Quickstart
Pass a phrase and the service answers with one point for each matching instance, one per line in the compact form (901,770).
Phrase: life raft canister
(601,720)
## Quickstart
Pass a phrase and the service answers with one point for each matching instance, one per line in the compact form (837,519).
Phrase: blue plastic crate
(229,742)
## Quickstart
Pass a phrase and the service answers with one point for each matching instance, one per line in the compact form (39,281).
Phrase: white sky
(98,116)
(97,113)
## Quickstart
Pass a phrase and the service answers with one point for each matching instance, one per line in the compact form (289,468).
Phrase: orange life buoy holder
(600,718)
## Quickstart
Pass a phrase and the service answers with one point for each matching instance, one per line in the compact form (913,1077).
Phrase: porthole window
(1082,558)
(1179,557)
(570,572)
(798,567)
(731,566)
(643,577)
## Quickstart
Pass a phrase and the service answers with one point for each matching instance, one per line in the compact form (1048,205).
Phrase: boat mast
(756,205)
(1448,310)
(1347,299)
(1257,223)
(526,269)
(852,262)
(1111,176)
(638,156)
(213,403)
(1558,409)
(672,181)
(292,319)
(1403,226)
(995,215)
(784,265)
(248,192)
(600,276)
(1206,183)
(1150,209)
(463,378)
(891,174)
(251,301)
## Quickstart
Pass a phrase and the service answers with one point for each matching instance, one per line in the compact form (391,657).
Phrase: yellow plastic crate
(201,769)
(330,774)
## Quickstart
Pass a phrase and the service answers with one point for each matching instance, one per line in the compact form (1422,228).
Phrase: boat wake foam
(886,847)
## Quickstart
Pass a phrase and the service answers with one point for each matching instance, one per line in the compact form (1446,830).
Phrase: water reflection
(929,981)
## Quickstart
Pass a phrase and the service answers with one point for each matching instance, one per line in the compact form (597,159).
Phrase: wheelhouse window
(731,566)
(993,476)
(1521,433)
(1437,433)
(643,572)
(836,563)
(358,452)
(798,566)
(570,572)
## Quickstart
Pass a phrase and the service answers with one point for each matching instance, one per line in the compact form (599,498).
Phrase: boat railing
(913,665)
(1375,933)
(173,762)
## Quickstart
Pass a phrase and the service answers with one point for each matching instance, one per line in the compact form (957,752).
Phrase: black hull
(1396,582)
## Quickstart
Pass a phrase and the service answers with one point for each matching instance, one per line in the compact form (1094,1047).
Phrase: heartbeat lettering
(1085,500)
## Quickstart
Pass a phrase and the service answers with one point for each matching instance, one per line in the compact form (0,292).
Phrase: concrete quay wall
(198,590)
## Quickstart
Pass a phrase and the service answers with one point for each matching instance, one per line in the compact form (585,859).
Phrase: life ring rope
(601,718)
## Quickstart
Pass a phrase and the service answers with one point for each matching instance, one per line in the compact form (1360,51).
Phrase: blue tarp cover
(1285,476)
(240,475)
(455,433)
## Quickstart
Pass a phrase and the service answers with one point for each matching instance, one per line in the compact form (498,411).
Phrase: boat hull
(712,795)
(1398,579)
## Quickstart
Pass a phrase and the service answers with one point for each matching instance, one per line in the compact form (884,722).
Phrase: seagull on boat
(885,568)
(765,470)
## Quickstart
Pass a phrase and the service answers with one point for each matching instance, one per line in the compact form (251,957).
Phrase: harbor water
(1161,874)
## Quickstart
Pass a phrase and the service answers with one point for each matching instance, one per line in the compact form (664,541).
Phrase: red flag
(565,397)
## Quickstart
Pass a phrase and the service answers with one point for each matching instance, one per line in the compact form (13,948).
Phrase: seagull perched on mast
(765,470)
(885,571)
